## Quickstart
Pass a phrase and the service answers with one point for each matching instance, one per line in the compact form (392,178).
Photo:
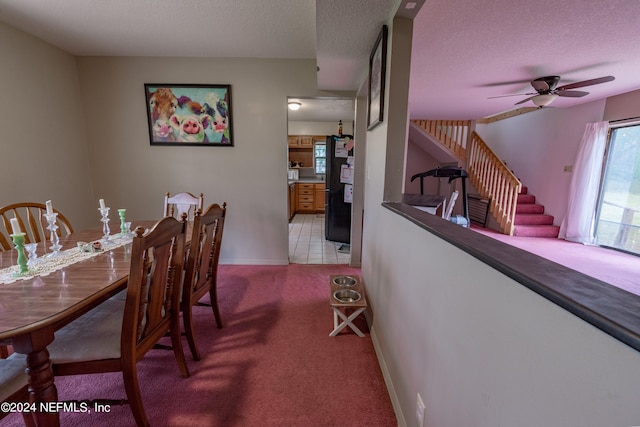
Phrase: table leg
(41,385)
(346,321)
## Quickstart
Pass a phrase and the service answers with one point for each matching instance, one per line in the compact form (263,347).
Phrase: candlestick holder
(123,226)
(106,238)
(18,241)
(53,238)
(32,256)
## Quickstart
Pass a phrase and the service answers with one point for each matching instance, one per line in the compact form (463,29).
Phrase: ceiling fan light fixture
(293,105)
(544,100)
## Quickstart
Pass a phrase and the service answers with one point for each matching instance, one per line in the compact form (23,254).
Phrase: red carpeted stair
(530,220)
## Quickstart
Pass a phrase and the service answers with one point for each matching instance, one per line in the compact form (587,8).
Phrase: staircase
(514,210)
(530,219)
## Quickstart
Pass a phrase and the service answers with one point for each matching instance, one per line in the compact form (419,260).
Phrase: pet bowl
(344,281)
(347,295)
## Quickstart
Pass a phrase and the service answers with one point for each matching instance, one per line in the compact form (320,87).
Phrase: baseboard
(236,261)
(387,377)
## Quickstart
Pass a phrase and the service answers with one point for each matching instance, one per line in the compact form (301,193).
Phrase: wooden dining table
(33,309)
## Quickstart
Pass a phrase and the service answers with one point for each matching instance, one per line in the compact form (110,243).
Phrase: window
(320,157)
(618,216)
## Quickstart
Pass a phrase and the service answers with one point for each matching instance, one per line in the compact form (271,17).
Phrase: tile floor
(307,244)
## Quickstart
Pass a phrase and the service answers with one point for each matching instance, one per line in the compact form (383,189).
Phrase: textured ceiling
(464,51)
(193,28)
(323,110)
(345,34)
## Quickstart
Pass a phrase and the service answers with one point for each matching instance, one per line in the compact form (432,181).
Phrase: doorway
(618,218)
(308,127)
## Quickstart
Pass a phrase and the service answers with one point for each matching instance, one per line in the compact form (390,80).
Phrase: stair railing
(453,134)
(494,181)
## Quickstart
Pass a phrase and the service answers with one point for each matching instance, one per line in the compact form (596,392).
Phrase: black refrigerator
(337,211)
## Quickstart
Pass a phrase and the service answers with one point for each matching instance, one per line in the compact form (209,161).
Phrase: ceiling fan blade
(587,83)
(526,99)
(572,93)
(515,94)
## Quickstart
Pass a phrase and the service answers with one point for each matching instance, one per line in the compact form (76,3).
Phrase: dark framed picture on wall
(377,71)
(189,114)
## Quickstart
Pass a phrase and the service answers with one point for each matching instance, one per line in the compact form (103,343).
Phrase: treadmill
(451,172)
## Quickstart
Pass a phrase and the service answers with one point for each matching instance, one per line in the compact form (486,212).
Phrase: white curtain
(578,223)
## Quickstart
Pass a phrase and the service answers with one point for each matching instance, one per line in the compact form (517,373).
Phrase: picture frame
(189,114)
(377,75)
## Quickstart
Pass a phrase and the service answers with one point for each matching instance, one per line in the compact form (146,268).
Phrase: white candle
(49,207)
(15,226)
(102,205)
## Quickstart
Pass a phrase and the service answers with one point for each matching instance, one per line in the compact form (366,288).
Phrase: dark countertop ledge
(613,310)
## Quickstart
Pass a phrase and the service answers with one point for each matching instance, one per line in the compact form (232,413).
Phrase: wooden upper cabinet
(305,141)
(292,140)
(300,141)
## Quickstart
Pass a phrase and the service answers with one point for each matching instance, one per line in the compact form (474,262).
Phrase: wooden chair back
(181,203)
(202,266)
(115,335)
(152,306)
(32,221)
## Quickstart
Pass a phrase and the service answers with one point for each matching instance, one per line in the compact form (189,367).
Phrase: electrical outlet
(420,411)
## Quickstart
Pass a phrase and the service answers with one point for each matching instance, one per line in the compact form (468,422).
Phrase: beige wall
(538,145)
(251,176)
(624,106)
(75,130)
(43,139)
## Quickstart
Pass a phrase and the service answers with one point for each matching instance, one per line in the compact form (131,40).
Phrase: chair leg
(187,319)
(27,419)
(176,343)
(132,387)
(214,305)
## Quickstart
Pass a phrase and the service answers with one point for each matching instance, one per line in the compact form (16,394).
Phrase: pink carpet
(614,267)
(273,363)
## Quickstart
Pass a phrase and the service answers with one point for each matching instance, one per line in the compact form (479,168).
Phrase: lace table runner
(46,265)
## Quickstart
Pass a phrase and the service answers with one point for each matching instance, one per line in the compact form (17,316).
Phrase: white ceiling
(464,51)
(323,110)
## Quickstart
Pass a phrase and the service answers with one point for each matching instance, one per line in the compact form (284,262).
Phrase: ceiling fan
(547,89)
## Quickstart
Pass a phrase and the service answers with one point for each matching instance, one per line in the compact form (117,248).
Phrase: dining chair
(180,203)
(4,350)
(30,216)
(117,334)
(14,387)
(202,268)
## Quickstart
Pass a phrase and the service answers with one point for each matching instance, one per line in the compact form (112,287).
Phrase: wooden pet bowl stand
(346,291)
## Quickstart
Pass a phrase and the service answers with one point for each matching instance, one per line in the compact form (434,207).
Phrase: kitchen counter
(306,181)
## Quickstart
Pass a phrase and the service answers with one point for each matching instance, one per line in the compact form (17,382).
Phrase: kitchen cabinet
(300,141)
(318,197)
(304,198)
(292,141)
(292,200)
(309,198)
(305,141)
